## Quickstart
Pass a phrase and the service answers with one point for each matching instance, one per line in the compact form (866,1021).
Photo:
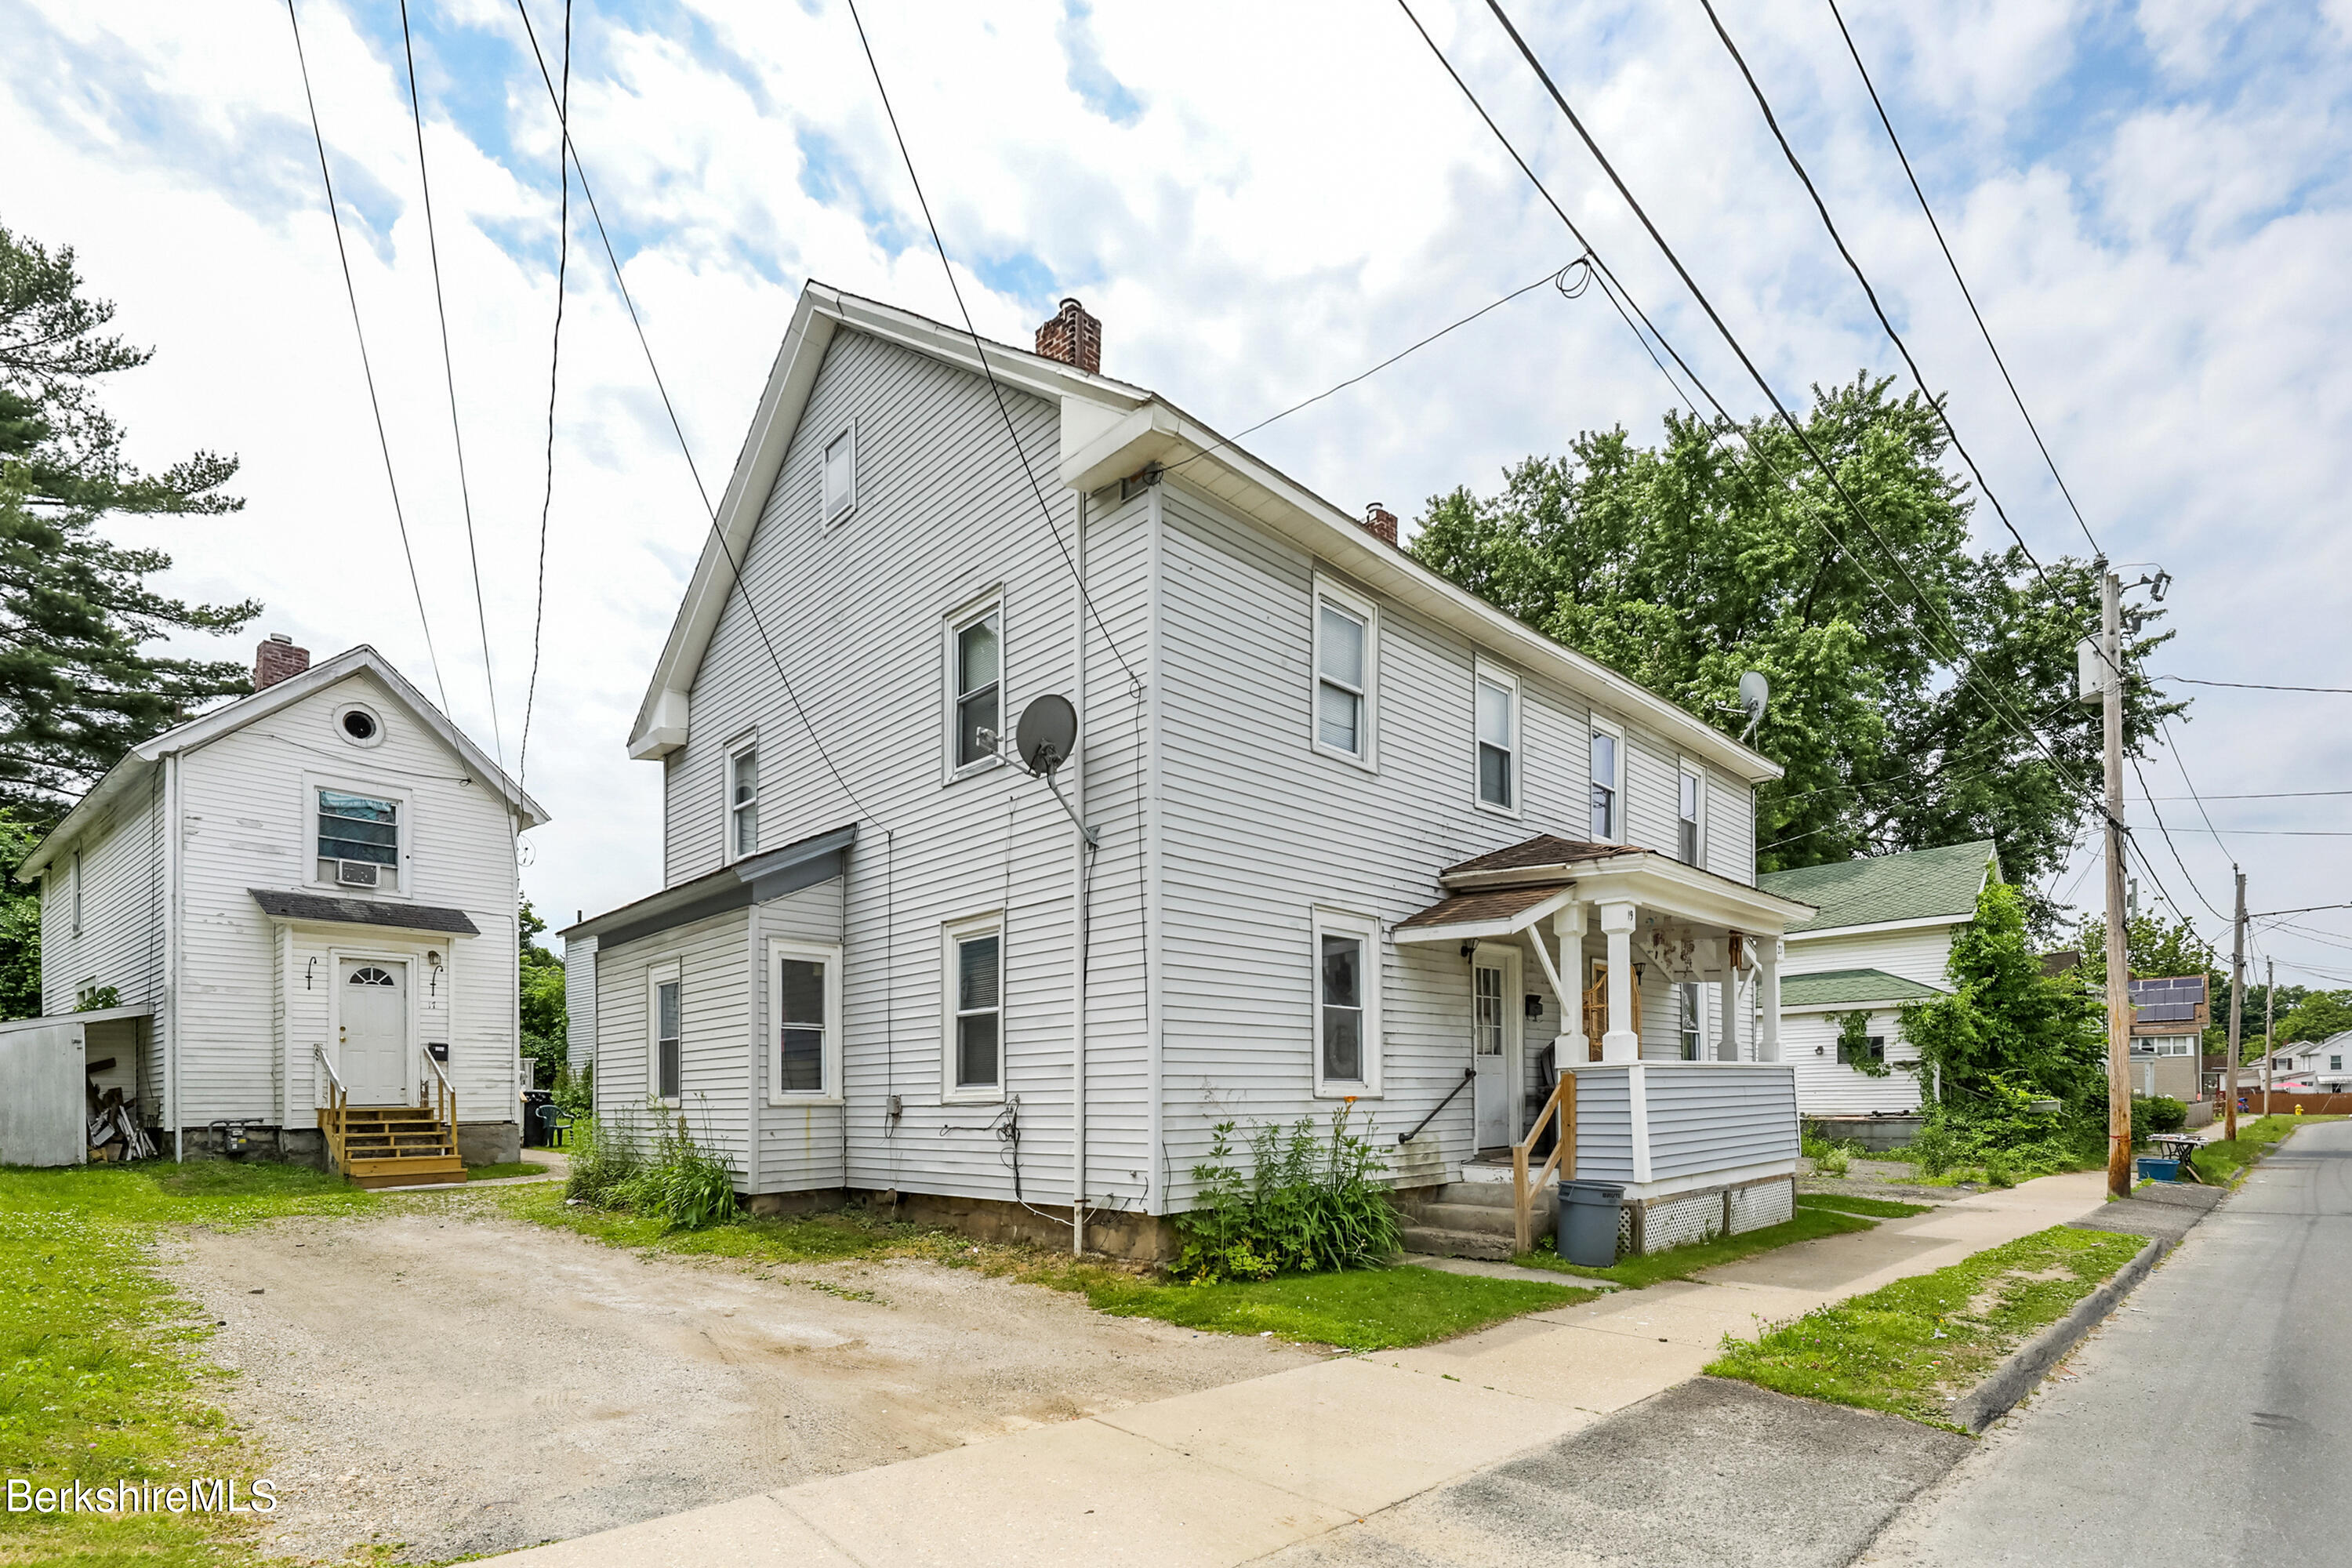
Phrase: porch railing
(442,1098)
(331,1115)
(1561,1104)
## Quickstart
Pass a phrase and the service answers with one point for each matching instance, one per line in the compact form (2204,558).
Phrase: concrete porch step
(1437,1242)
(1487,1218)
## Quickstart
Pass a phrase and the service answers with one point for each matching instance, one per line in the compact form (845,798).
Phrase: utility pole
(2119,1018)
(2270,1038)
(2237,1003)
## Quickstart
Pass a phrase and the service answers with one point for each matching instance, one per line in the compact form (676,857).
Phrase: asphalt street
(2209,1421)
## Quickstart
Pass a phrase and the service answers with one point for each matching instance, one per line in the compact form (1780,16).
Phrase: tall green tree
(1896,713)
(80,682)
(2004,1018)
(2157,948)
(20,928)
(545,1024)
(2315,1017)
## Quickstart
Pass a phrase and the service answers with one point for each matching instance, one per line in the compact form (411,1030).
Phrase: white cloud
(1287,195)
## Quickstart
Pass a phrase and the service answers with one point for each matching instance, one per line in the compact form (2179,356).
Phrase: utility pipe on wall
(1080,853)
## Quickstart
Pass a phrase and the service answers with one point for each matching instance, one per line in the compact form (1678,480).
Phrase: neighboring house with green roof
(1881,936)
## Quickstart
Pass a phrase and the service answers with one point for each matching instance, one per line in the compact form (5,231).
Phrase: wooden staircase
(397,1146)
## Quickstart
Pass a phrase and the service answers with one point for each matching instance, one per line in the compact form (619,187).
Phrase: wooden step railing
(1561,1104)
(331,1115)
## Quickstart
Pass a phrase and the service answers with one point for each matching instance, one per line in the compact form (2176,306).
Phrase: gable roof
(1883,889)
(1111,430)
(1832,986)
(231,716)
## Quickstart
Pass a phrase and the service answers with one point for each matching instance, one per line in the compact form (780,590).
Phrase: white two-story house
(1350,837)
(296,914)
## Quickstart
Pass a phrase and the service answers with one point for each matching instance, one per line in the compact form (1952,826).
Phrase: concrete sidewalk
(1230,1474)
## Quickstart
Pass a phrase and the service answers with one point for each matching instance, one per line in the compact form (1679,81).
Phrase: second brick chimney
(1380,523)
(277,659)
(1073,337)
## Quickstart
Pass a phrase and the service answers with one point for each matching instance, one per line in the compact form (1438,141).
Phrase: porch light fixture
(1535,1005)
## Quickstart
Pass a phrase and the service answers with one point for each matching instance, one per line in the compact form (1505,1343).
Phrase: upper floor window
(1608,782)
(1498,740)
(975,1009)
(976,663)
(743,803)
(76,892)
(841,475)
(359,840)
(1345,661)
(1690,798)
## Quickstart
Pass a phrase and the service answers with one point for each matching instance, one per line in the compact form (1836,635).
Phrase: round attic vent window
(358,726)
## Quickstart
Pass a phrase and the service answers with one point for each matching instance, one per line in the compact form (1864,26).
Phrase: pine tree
(78,683)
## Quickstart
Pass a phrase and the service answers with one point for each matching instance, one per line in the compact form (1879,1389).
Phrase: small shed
(48,1067)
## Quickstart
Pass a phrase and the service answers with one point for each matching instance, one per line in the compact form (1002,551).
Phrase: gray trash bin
(1588,1222)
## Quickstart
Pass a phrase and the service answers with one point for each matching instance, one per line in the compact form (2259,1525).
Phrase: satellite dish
(1754,692)
(1048,731)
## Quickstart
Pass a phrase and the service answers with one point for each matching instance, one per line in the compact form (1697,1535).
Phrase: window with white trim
(804,1010)
(1346,660)
(1692,1023)
(666,1033)
(1690,808)
(1608,782)
(743,803)
(841,475)
(1497,704)
(359,839)
(975,686)
(975,1009)
(76,892)
(1347,956)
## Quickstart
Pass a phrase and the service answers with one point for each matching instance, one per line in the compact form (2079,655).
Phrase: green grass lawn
(800,1238)
(102,1373)
(1847,1203)
(1906,1348)
(504,1168)
(2225,1160)
(1681,1262)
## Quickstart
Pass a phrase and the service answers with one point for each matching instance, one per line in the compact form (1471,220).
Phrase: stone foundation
(1653,1225)
(489,1142)
(294,1145)
(1875,1133)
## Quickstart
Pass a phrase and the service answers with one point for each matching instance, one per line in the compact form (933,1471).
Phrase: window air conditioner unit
(355,873)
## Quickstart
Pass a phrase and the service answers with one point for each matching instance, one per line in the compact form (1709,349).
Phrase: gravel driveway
(454,1382)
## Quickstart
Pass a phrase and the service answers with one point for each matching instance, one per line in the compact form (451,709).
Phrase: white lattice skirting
(1655,1224)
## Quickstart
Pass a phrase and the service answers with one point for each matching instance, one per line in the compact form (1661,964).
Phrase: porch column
(1767,997)
(1620,1043)
(1726,1032)
(1575,1046)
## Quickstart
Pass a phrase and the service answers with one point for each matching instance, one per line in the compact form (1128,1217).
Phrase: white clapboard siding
(800,1143)
(856,611)
(1808,1040)
(580,1001)
(120,940)
(711,958)
(247,821)
(1720,1116)
(1261,828)
(1731,825)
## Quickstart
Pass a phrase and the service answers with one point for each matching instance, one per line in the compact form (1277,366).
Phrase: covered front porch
(1662,1074)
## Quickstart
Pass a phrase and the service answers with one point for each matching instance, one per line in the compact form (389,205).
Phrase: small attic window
(358,724)
(841,475)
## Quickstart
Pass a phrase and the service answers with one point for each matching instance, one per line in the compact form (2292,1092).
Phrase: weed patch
(1910,1346)
(1682,1262)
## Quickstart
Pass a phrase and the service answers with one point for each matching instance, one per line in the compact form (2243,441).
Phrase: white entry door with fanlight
(1493,1041)
(371,1024)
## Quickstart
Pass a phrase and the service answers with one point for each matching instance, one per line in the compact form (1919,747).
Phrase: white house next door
(1494,1020)
(371,1005)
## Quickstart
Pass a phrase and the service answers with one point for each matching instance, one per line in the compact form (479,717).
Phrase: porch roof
(1527,881)
(286,906)
(1488,912)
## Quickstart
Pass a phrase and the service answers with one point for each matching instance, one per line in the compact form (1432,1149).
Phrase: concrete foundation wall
(1134,1238)
(1875,1133)
(293,1145)
(489,1142)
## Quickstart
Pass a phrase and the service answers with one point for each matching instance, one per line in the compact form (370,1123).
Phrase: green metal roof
(1918,884)
(1837,985)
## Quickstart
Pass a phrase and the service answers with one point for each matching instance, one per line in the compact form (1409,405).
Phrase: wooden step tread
(362,1165)
(410,1179)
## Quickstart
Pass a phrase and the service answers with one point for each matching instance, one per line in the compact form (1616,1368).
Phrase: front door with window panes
(1494,1023)
(372,1031)
(359,840)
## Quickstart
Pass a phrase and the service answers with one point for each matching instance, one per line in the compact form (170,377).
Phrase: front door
(1493,1021)
(372,1007)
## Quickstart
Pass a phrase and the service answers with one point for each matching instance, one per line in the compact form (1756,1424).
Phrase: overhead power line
(1011,432)
(449,379)
(1966,293)
(2251,685)
(367,370)
(1963,663)
(555,358)
(711,512)
(1869,292)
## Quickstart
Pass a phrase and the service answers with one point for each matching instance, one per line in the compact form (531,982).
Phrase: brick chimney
(277,659)
(1073,337)
(1380,523)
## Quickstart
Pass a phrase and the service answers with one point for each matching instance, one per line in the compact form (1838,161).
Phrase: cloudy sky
(2150,201)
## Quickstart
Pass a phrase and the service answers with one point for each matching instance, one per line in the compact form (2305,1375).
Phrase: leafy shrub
(575,1089)
(2156,1113)
(2005,1128)
(603,1161)
(1308,1203)
(664,1176)
(1829,1156)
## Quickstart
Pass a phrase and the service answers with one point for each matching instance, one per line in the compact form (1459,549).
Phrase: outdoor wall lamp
(1535,1005)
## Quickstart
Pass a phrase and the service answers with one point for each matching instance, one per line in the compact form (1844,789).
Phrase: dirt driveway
(456,1382)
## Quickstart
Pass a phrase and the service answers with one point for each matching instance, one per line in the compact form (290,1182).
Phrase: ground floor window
(1693,1021)
(975,1007)
(666,1008)
(1347,1004)
(804,1011)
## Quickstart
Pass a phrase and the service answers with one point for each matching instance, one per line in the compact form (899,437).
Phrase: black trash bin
(1588,1222)
(535,1125)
